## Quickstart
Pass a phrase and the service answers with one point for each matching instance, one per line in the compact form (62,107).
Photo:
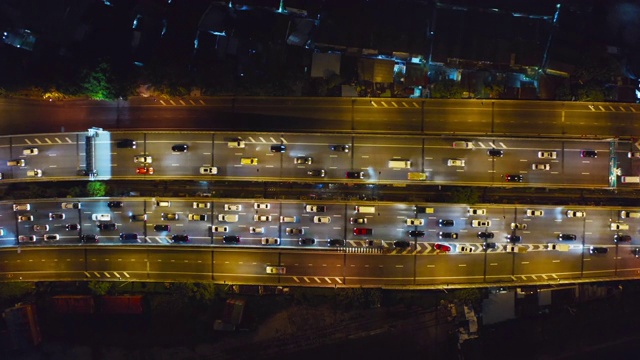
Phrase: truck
(417,176)
(558,247)
(630,179)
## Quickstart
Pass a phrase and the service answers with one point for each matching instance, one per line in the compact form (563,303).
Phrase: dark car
(319,173)
(336,242)
(169,216)
(421,209)
(126,144)
(495,152)
(341,148)
(447,235)
(514,238)
(306,241)
(231,239)
(162,227)
(130,237)
(355,175)
(89,238)
(182,238)
(598,250)
(636,252)
(107,226)
(85,172)
(402,244)
(513,178)
(362,231)
(588,154)
(72,227)
(485,235)
(621,238)
(415,233)
(567,237)
(445,222)
(180,148)
(489,245)
(115,204)
(278,148)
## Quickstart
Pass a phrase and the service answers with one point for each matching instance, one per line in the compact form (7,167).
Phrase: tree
(100,287)
(13,291)
(96,189)
(446,89)
(466,195)
(202,292)
(99,84)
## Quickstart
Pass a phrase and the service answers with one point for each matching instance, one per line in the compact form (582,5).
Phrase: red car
(362,231)
(442,247)
(145,170)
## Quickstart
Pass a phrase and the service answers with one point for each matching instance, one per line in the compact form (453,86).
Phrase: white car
(535,212)
(477,212)
(518,226)
(538,166)
(259,206)
(30,151)
(462,145)
(34,173)
(256,230)
(464,249)
(633,154)
(101,217)
(163,203)
(480,223)
(219,229)
(228,217)
(27,238)
(302,160)
(232,207)
(315,208)
(40,227)
(21,207)
(413,222)
(572,213)
(201,205)
(619,226)
(73,205)
(145,159)
(276,270)
(321,219)
(288,219)
(547,155)
(455,162)
(208,170)
(236,144)
(270,241)
(262,218)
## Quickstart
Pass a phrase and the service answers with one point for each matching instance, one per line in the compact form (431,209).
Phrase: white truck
(558,247)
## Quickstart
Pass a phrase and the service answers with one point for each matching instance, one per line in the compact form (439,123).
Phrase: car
(196,217)
(248,161)
(231,239)
(294,231)
(547,154)
(621,238)
(25,218)
(145,159)
(138,217)
(321,219)
(51,237)
(236,144)
(228,217)
(180,148)
(535,212)
(73,205)
(477,212)
(72,227)
(30,151)
(101,217)
(288,219)
(162,227)
(627,214)
(201,205)
(169,216)
(34,173)
(589,154)
(358,220)
(208,170)
(495,152)
(115,204)
(336,242)
(415,222)
(573,213)
(232,207)
(374,242)
(129,237)
(447,235)
(595,250)
(455,162)
(302,160)
(177,238)
(362,231)
(144,170)
(489,245)
(636,252)
(256,230)
(415,233)
(270,241)
(518,226)
(21,207)
(513,178)
(261,217)
(355,174)
(315,208)
(276,270)
(402,244)
(40,227)
(480,223)
(340,148)
(445,222)
(107,226)
(89,238)
(485,235)
(618,226)
(442,247)
(540,166)
(278,148)
(85,172)
(17,162)
(306,241)
(126,144)
(26,238)
(633,154)
(317,173)
(163,203)
(464,249)
(514,238)
(567,237)
(259,206)
(462,145)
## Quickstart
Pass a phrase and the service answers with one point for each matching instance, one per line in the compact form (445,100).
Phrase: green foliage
(99,83)
(96,189)
(75,191)
(465,195)
(15,291)
(446,89)
(469,296)
(591,92)
(358,298)
(200,292)
(100,287)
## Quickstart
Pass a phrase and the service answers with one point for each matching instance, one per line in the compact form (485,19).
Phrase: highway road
(431,116)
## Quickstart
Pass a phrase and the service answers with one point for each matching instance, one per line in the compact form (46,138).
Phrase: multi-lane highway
(61,155)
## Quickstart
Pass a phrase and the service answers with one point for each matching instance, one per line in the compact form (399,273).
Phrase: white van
(630,179)
(629,214)
(101,217)
(399,164)
(366,209)
(558,247)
